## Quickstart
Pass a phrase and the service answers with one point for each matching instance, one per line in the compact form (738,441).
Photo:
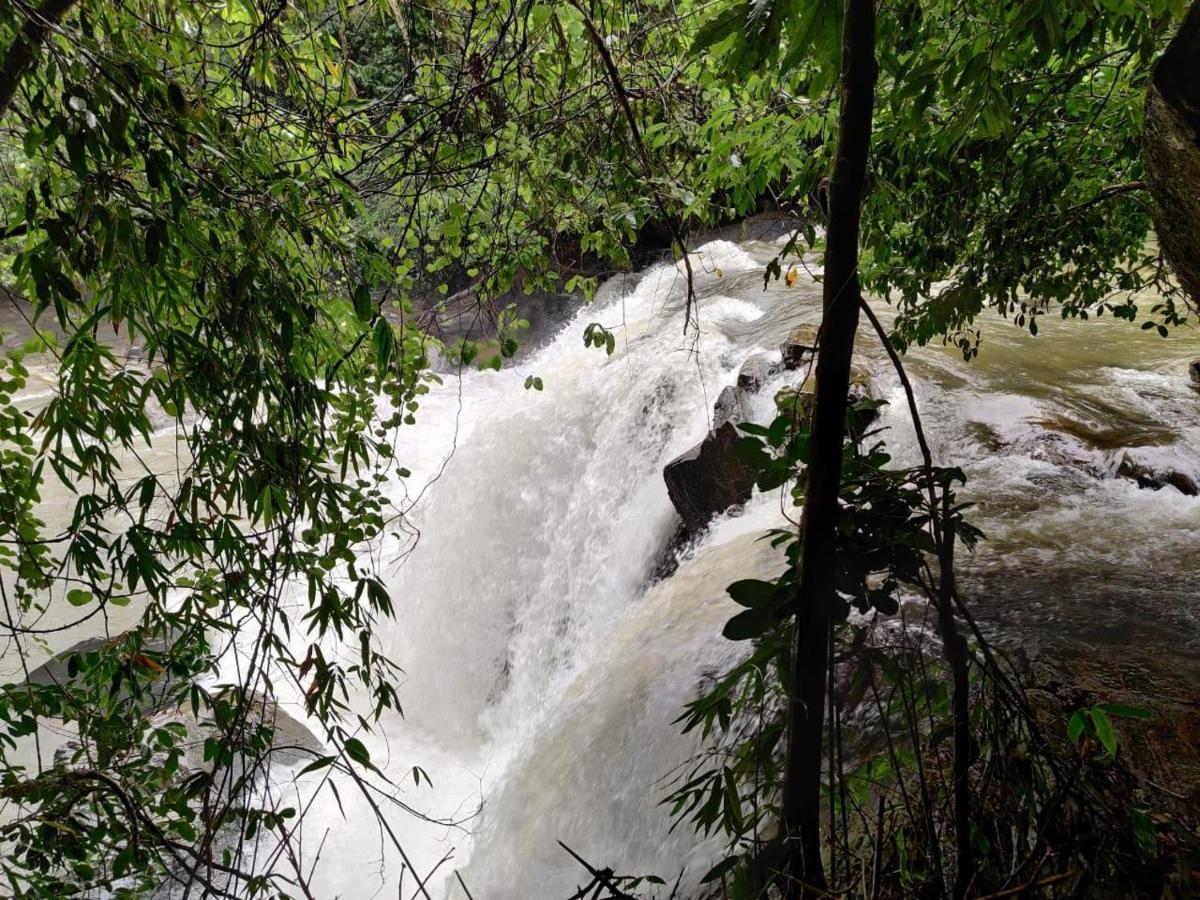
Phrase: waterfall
(545,658)
(546,665)
(544,669)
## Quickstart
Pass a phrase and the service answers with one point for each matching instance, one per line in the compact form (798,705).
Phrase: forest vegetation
(270,229)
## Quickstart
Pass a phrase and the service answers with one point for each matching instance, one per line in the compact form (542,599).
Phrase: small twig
(462,884)
(422,882)
(1044,882)
(1167,791)
(603,876)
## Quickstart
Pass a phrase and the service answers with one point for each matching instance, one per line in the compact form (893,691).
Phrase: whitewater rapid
(545,657)
(546,665)
(543,667)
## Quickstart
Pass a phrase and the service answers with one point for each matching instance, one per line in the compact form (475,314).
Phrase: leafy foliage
(235,229)
(1006,164)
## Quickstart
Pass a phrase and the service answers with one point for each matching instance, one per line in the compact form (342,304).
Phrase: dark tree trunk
(1172,151)
(1177,72)
(20,54)
(810,663)
(955,648)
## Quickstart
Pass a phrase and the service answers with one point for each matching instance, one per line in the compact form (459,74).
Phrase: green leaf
(1075,727)
(750,624)
(77,597)
(1125,712)
(728,864)
(724,24)
(77,153)
(385,342)
(357,751)
(363,307)
(317,764)
(751,593)
(1104,730)
(175,97)
(154,241)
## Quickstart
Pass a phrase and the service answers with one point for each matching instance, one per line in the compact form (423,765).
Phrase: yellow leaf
(792,275)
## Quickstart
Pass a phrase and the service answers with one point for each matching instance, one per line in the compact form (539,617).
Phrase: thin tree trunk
(810,662)
(31,37)
(955,648)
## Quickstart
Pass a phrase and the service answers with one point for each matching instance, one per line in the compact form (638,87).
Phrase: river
(545,662)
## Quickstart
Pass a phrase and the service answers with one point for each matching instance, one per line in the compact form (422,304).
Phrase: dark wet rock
(709,478)
(757,371)
(728,407)
(800,346)
(1147,476)
(1194,371)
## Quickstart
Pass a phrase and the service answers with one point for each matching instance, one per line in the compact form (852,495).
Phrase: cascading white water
(544,663)
(544,667)
(542,676)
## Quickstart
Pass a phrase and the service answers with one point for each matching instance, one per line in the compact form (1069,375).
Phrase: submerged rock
(1147,476)
(709,478)
(800,346)
(1116,435)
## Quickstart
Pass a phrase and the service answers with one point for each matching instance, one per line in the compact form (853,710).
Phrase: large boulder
(56,670)
(709,478)
(797,400)
(800,346)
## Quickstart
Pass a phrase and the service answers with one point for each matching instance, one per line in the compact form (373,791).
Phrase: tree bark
(20,53)
(841,297)
(956,651)
(1172,151)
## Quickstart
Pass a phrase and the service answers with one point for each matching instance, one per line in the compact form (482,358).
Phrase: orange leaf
(147,663)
